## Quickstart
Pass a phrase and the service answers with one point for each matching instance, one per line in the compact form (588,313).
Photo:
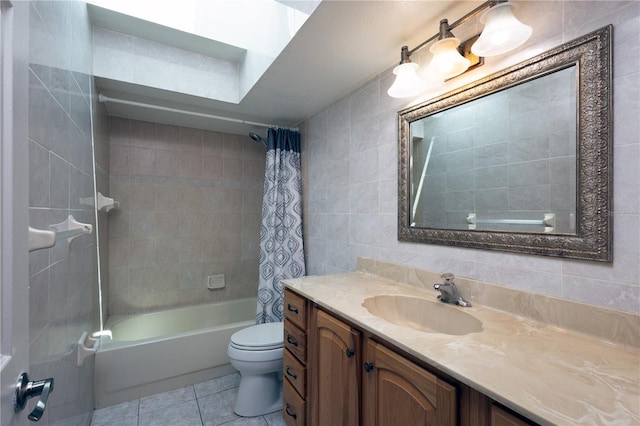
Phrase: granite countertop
(548,374)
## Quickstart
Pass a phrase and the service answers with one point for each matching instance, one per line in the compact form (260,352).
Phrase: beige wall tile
(190,207)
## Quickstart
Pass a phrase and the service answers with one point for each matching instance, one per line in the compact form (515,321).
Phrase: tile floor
(208,403)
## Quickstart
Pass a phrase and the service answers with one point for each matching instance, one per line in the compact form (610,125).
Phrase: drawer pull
(350,353)
(289,373)
(292,341)
(292,308)
(294,415)
(368,366)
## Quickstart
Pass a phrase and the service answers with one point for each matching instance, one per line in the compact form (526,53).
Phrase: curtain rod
(102,98)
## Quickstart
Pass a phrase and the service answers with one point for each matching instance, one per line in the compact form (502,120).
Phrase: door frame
(14,203)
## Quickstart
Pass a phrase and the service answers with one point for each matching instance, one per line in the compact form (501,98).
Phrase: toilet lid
(259,337)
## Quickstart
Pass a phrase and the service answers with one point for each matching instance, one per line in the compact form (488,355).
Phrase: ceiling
(341,46)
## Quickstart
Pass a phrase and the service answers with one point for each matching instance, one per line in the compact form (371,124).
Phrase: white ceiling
(341,46)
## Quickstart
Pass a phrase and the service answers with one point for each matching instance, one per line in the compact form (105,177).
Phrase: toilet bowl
(256,352)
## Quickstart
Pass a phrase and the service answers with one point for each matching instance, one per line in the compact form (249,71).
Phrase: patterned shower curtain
(281,244)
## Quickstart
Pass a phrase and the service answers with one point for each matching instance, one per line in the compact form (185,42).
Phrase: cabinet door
(335,359)
(398,392)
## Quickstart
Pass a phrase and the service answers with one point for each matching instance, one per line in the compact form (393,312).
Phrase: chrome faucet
(449,292)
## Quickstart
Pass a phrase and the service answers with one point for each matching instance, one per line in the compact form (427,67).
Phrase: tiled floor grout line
(198,405)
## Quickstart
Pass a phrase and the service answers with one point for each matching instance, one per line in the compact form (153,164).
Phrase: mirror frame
(593,240)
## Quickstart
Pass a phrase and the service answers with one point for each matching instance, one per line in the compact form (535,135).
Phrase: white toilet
(256,352)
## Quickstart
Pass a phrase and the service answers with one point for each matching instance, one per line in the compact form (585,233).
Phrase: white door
(14,207)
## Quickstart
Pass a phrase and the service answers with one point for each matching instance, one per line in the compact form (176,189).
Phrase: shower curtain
(281,245)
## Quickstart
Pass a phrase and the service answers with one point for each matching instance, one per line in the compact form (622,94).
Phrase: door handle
(26,389)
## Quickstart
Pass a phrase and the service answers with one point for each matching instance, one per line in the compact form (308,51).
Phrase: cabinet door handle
(291,340)
(368,366)
(292,308)
(289,373)
(288,411)
(350,353)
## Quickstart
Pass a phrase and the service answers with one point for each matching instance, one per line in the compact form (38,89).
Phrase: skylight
(263,26)
(248,33)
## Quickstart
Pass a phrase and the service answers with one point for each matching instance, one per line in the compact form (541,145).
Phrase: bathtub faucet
(449,292)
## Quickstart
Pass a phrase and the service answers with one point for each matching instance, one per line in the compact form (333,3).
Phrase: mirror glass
(518,161)
(504,162)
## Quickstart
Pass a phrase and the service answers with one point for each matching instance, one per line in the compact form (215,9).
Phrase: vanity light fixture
(502,33)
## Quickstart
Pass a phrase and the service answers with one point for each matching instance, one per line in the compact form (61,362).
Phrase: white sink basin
(423,314)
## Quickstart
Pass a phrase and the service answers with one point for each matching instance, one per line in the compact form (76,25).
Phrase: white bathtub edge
(126,370)
(106,399)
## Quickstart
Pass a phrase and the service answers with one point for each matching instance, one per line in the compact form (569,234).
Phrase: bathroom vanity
(358,351)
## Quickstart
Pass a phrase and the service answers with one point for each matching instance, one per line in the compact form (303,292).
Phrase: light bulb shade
(407,82)
(502,32)
(447,62)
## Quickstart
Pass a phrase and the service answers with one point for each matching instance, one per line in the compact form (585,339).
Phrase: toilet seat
(261,337)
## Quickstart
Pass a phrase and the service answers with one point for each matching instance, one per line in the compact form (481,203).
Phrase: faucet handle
(448,277)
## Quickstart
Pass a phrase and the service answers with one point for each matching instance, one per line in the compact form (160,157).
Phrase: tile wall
(62,279)
(190,208)
(497,157)
(350,165)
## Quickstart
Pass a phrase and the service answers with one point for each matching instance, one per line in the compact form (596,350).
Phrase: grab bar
(548,221)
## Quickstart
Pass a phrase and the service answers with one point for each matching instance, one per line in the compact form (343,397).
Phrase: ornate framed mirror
(519,161)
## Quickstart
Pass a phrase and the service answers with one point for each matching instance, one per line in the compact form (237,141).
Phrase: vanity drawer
(295,309)
(295,372)
(293,407)
(295,340)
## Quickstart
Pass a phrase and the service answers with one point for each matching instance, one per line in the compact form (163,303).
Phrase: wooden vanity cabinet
(337,375)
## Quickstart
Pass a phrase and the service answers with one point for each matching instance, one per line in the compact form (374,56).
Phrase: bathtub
(159,351)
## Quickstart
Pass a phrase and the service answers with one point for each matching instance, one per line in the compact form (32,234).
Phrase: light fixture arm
(405,56)
(447,28)
(444,30)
